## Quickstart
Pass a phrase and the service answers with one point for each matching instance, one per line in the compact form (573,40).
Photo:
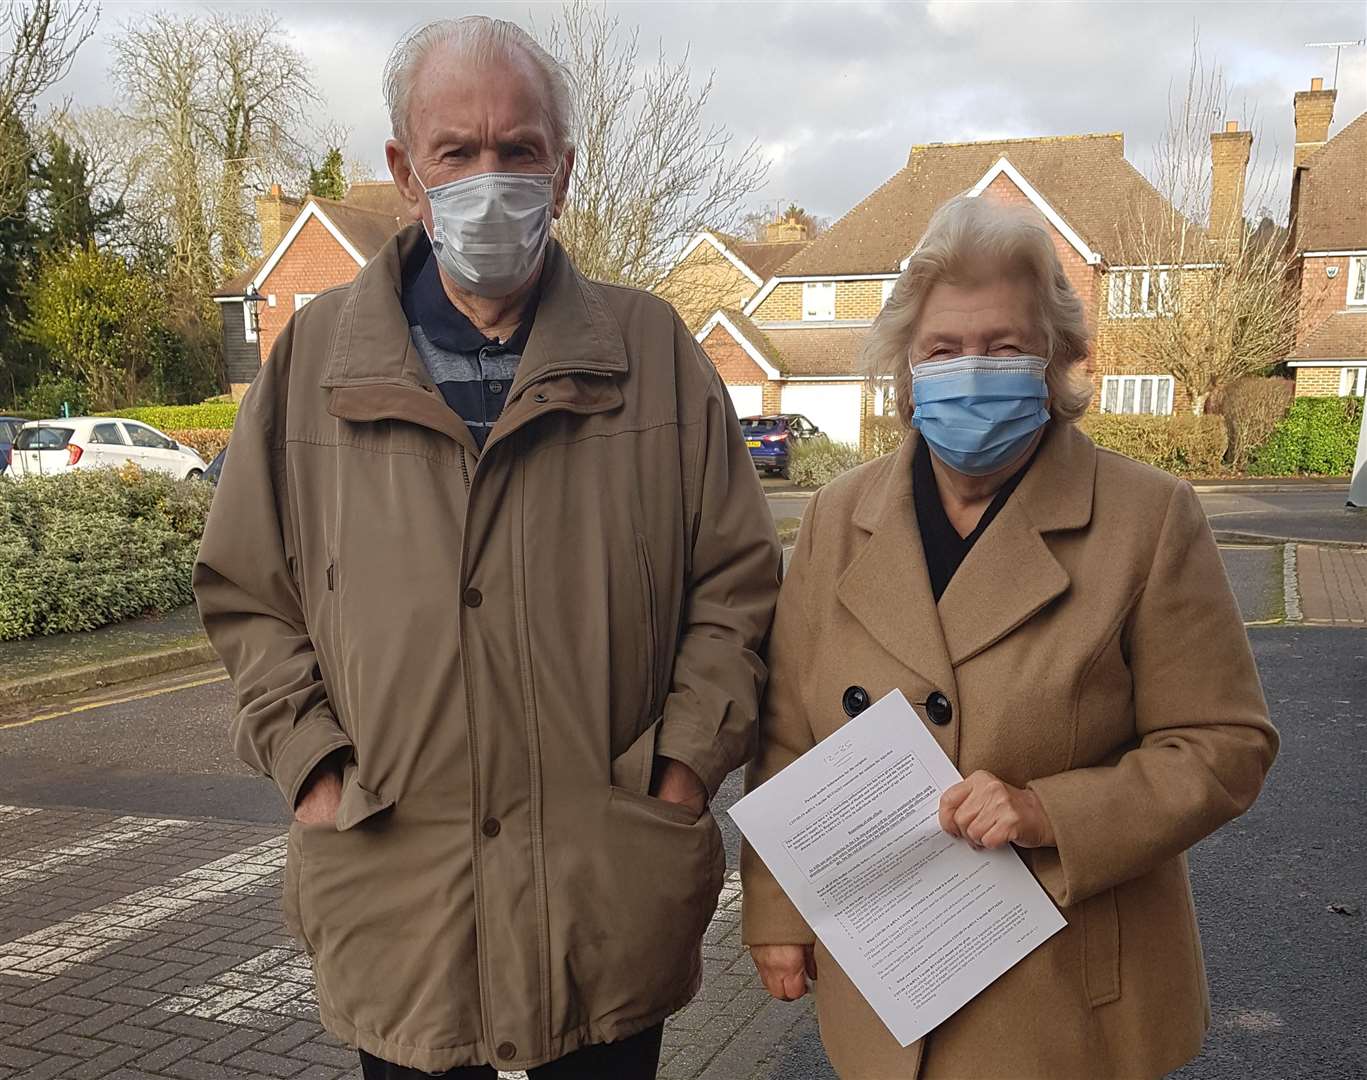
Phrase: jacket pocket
(294,855)
(651,638)
(660,808)
(358,803)
(632,768)
(1100,919)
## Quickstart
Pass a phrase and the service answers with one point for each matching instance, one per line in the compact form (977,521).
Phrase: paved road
(210,987)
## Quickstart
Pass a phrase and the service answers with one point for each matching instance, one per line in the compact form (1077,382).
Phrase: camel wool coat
(1091,650)
(499,643)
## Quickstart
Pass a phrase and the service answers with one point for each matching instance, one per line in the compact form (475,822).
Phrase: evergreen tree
(70,214)
(328,181)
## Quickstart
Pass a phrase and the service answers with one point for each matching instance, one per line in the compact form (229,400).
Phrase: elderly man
(490,568)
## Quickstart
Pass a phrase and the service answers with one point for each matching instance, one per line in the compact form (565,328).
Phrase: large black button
(939,709)
(855,700)
(507,1050)
(491,827)
(473,598)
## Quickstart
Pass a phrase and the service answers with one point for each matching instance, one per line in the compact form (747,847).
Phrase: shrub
(45,398)
(820,461)
(206,442)
(882,435)
(1252,408)
(1184,445)
(219,415)
(1318,436)
(82,549)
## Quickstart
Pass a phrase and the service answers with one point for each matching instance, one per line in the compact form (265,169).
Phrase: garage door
(833,407)
(748,400)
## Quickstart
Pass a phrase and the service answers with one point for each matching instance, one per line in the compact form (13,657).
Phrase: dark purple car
(770,438)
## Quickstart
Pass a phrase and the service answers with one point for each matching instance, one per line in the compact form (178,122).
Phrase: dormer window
(1357,279)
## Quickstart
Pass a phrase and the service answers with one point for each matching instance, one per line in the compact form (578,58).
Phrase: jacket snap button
(507,1050)
(540,399)
(491,827)
(855,700)
(939,709)
(473,598)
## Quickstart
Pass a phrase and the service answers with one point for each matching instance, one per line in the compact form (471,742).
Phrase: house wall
(1320,295)
(1318,381)
(861,299)
(732,362)
(314,262)
(703,282)
(241,358)
(784,304)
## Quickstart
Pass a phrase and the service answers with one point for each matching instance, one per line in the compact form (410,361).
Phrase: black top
(945,549)
(473,372)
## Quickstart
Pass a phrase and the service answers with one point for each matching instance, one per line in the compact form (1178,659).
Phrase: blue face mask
(979,413)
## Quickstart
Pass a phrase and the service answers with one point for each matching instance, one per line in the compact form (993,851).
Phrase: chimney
(274,213)
(785,229)
(1229,150)
(1314,114)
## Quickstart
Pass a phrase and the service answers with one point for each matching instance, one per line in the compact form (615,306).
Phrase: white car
(44,447)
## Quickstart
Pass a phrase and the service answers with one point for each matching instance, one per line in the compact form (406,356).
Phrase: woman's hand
(784,969)
(990,813)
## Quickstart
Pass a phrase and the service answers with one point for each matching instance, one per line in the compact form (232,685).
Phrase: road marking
(55,949)
(142,696)
(1291,589)
(113,838)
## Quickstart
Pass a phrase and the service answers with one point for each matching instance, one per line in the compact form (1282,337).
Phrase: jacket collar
(573,331)
(1009,576)
(374,371)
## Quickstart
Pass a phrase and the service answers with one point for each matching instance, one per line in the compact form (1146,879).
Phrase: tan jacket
(503,642)
(1091,649)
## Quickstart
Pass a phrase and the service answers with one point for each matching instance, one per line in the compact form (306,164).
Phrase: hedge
(85,548)
(218,415)
(1318,436)
(820,461)
(206,442)
(1184,445)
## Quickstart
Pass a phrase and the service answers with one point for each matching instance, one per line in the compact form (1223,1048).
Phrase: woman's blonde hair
(972,239)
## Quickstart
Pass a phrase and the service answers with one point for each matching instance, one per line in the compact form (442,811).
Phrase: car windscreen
(43,438)
(7,430)
(760,425)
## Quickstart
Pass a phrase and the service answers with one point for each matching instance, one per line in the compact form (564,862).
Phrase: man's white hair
(479,39)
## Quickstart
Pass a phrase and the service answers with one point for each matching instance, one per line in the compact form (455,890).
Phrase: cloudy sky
(837,93)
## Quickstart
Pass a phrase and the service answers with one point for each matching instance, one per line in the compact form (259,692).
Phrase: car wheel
(195,474)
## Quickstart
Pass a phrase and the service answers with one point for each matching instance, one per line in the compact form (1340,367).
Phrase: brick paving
(134,948)
(1333,585)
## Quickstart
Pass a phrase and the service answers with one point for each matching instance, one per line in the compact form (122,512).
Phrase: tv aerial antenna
(1338,47)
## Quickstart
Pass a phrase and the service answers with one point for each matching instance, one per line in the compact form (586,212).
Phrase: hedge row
(218,415)
(85,548)
(1183,445)
(1319,435)
(206,442)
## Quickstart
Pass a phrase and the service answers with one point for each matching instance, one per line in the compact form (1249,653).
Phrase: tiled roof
(1342,336)
(1085,178)
(765,259)
(379,195)
(1332,211)
(818,350)
(368,230)
(757,337)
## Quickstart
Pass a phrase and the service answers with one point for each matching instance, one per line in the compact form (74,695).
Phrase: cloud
(839,92)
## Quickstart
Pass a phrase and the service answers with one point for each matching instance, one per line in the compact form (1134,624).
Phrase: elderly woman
(1061,616)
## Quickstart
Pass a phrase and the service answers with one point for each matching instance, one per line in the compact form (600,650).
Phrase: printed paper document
(918,920)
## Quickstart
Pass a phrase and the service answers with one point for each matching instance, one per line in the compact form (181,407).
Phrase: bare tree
(1209,295)
(39,40)
(649,172)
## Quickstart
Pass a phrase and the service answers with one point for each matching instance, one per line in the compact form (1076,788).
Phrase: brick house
(717,271)
(1329,237)
(794,345)
(308,246)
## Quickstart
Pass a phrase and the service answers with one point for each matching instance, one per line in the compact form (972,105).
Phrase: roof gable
(1331,211)
(748,336)
(1084,179)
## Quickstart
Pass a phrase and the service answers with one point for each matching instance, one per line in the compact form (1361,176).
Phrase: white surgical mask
(489,230)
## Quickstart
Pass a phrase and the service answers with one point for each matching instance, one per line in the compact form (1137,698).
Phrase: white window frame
(1357,278)
(248,330)
(1119,381)
(1353,382)
(1124,287)
(302,298)
(812,289)
(888,286)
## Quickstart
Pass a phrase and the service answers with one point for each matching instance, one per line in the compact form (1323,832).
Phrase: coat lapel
(887,587)
(1011,574)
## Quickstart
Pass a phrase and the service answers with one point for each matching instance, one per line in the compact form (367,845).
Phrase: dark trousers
(636,1058)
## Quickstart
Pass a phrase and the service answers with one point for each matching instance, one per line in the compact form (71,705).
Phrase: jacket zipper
(464,468)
